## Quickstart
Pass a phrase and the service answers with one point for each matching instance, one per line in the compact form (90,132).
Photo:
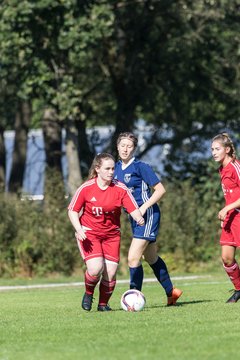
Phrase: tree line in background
(36,239)
(75,64)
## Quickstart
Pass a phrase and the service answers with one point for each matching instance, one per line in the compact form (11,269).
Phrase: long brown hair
(97,162)
(226,141)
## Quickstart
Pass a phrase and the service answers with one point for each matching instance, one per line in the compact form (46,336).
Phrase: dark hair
(97,162)
(226,141)
(129,136)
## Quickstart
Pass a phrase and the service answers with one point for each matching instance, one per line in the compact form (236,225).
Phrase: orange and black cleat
(176,293)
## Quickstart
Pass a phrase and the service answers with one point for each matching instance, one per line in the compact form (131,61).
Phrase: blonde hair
(97,162)
(129,136)
(226,141)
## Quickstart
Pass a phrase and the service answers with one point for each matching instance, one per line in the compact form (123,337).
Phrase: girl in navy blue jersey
(139,177)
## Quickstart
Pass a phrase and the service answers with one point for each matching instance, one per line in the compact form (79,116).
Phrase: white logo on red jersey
(97,210)
(224,189)
(93,199)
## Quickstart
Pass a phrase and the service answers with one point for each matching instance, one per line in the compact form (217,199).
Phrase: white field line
(73,284)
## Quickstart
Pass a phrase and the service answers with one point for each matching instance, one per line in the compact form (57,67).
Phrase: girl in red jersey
(223,151)
(94,212)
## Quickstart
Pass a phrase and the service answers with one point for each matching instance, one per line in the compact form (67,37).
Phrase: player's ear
(228,149)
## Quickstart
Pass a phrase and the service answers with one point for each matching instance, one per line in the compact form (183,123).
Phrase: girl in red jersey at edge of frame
(94,212)
(140,178)
(223,152)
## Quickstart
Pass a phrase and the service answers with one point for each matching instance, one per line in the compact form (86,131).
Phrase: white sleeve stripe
(124,187)
(236,165)
(145,196)
(76,195)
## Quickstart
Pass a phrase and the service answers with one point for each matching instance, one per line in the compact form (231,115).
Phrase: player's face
(106,170)
(219,152)
(125,149)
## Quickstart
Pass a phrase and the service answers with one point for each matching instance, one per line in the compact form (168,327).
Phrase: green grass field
(49,323)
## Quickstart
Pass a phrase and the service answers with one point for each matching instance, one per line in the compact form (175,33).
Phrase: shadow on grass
(180,303)
(183,303)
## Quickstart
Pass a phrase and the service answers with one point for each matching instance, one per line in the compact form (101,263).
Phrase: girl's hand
(222,214)
(80,235)
(140,221)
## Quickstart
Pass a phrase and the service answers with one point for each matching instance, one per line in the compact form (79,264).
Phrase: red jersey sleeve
(236,166)
(230,179)
(128,201)
(78,200)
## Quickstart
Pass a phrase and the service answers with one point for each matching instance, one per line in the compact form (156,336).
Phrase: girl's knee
(228,255)
(95,271)
(151,258)
(227,260)
(134,261)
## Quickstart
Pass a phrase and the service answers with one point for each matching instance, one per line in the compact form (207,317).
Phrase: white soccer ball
(133,300)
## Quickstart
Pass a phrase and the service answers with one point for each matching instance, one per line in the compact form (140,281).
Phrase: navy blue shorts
(152,222)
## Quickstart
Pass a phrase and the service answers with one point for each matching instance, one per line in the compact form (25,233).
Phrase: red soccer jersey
(101,209)
(230,179)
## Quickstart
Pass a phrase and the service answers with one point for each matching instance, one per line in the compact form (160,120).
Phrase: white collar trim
(124,166)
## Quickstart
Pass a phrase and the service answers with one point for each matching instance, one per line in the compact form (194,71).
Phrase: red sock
(90,283)
(105,291)
(233,272)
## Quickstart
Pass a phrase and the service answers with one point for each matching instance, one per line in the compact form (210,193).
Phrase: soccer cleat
(87,302)
(235,297)
(176,293)
(104,308)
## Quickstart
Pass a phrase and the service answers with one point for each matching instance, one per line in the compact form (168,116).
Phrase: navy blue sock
(136,277)
(161,272)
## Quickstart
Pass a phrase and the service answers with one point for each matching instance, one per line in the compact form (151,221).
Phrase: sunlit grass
(50,324)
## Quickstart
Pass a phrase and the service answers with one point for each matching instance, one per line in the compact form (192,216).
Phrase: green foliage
(8,232)
(38,239)
(175,63)
(189,229)
(34,241)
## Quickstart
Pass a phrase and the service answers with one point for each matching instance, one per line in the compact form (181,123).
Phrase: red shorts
(231,230)
(107,246)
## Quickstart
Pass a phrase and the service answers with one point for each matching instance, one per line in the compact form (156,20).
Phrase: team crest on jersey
(127,178)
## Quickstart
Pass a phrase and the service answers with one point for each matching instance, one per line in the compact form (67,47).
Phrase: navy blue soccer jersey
(139,177)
